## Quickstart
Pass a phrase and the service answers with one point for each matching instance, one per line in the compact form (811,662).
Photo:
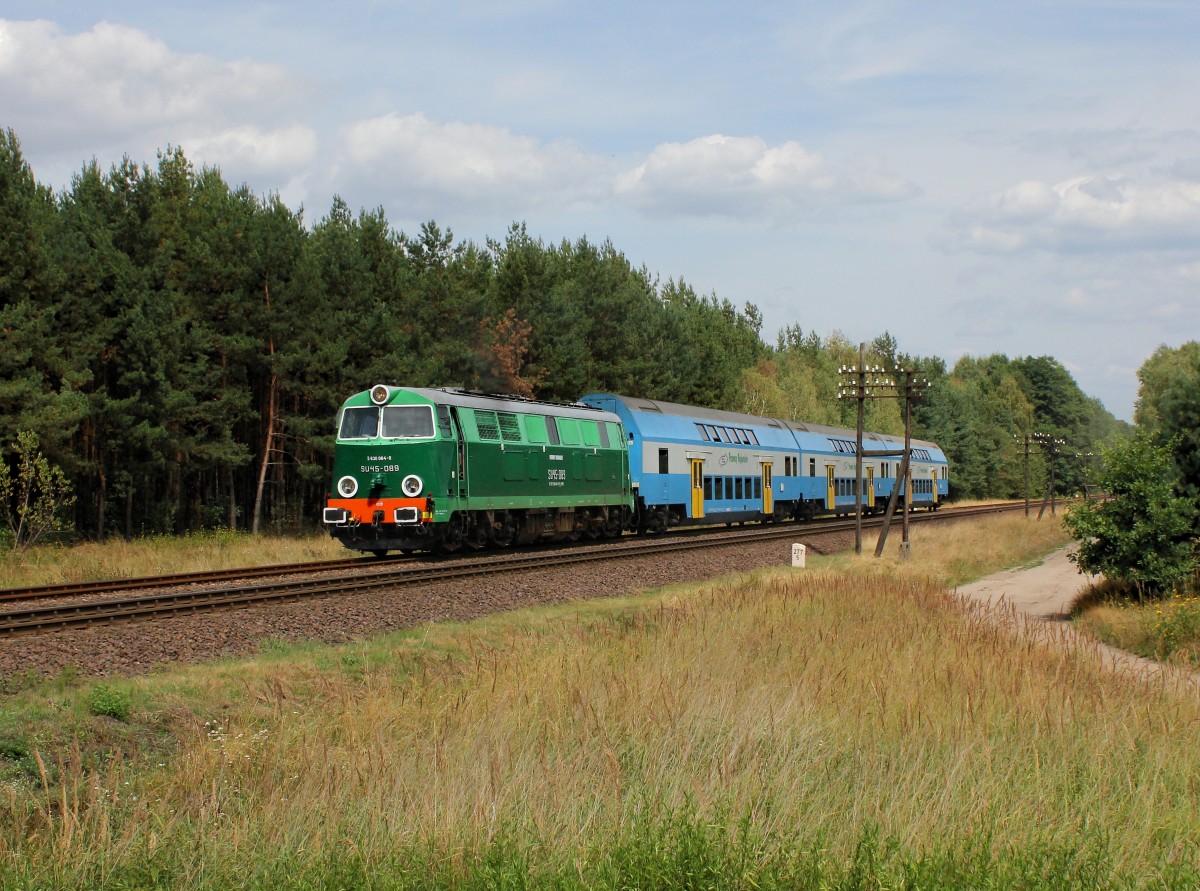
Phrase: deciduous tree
(1142,534)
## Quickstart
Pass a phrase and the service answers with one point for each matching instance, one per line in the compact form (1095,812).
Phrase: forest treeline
(180,347)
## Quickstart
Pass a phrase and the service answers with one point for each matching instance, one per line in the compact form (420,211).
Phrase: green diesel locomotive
(443,469)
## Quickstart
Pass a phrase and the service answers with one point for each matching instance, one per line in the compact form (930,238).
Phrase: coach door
(767,503)
(870,502)
(830,488)
(697,488)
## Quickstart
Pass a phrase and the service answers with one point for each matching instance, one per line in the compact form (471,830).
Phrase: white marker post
(799,552)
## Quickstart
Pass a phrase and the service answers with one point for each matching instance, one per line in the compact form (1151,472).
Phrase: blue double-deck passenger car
(692,465)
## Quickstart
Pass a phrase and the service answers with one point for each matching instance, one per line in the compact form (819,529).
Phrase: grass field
(119,559)
(1166,629)
(847,726)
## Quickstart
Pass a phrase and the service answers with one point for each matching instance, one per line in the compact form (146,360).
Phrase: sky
(994,176)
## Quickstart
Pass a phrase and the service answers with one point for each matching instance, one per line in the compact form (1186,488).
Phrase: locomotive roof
(657,406)
(502,402)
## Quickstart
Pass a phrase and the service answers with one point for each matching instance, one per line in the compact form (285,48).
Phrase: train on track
(445,469)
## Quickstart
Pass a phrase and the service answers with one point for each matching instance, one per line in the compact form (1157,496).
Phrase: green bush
(109,701)
(15,754)
(1143,533)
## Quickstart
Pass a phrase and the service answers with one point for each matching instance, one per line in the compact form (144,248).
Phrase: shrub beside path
(1039,599)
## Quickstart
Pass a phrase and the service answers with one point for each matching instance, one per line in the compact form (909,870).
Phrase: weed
(1177,627)
(106,700)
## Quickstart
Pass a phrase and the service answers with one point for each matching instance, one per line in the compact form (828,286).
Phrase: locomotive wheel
(380,552)
(504,533)
(452,538)
(476,538)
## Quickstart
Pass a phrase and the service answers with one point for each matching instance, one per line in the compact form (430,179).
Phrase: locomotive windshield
(359,423)
(407,421)
(398,422)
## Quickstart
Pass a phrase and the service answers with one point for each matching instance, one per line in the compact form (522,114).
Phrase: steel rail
(106,586)
(56,617)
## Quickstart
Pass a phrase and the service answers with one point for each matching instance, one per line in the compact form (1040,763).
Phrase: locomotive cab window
(359,423)
(407,421)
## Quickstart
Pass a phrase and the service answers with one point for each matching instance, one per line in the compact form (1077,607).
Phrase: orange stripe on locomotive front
(363,509)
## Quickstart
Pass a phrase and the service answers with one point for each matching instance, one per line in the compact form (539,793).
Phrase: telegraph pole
(1051,446)
(1085,458)
(912,389)
(1026,439)
(862,382)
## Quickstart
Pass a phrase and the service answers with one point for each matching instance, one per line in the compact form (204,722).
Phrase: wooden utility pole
(1026,440)
(911,387)
(862,382)
(1051,446)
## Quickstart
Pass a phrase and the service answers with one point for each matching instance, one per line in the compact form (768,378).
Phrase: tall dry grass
(162,555)
(810,705)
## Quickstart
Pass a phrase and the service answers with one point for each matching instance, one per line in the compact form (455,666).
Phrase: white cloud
(117,86)
(1190,271)
(473,165)
(741,176)
(433,166)
(1078,299)
(1084,213)
(256,149)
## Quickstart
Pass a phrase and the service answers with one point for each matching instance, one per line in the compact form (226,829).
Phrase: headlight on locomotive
(412,485)
(380,393)
(347,486)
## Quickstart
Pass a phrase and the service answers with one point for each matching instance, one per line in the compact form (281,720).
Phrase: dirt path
(1042,595)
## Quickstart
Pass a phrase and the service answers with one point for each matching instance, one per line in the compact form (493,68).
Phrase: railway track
(108,586)
(370,574)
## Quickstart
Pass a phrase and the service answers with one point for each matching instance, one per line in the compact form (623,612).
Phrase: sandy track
(1041,596)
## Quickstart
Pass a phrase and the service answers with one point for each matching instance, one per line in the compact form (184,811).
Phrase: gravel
(140,647)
